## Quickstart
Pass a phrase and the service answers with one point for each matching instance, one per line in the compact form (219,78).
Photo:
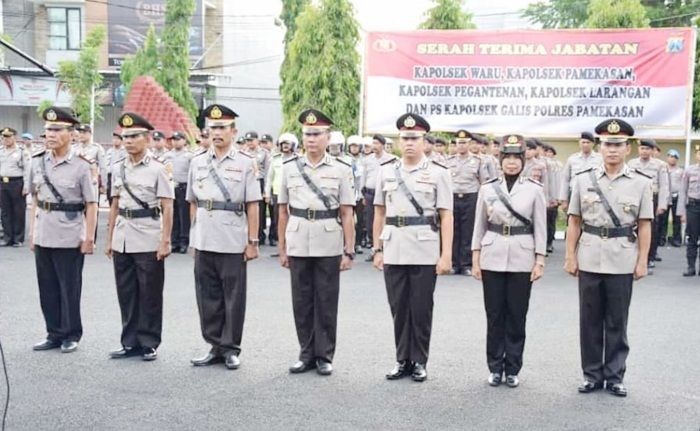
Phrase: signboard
(129,21)
(31,91)
(546,83)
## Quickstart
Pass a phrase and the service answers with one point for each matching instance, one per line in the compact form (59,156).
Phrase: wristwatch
(253,241)
(350,255)
(377,250)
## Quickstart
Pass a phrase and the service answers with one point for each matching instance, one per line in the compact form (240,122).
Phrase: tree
(447,15)
(323,66)
(290,11)
(82,77)
(557,13)
(145,62)
(616,14)
(175,53)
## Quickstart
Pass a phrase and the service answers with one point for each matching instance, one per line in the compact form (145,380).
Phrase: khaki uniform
(576,163)
(262,159)
(180,160)
(675,178)
(537,170)
(112,156)
(15,165)
(657,170)
(273,184)
(368,184)
(95,154)
(689,206)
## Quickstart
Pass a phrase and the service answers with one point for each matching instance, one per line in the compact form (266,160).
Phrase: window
(64,28)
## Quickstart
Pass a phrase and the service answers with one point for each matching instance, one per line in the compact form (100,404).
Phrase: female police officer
(509,245)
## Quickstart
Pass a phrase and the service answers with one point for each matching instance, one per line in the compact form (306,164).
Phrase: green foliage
(322,66)
(82,76)
(671,13)
(447,15)
(290,11)
(557,13)
(43,106)
(616,14)
(144,62)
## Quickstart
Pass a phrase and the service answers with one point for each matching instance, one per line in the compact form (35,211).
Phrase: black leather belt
(400,221)
(310,214)
(181,185)
(8,179)
(140,213)
(609,232)
(63,207)
(211,205)
(693,202)
(507,230)
(463,195)
(368,191)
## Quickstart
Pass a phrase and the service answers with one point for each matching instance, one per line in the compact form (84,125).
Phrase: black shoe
(183,250)
(273,243)
(302,367)
(69,346)
(455,271)
(676,243)
(651,264)
(401,369)
(690,272)
(662,243)
(419,373)
(550,249)
(617,389)
(495,379)
(149,354)
(370,258)
(588,386)
(18,244)
(5,243)
(658,258)
(324,367)
(466,271)
(232,362)
(512,381)
(47,345)
(124,352)
(208,359)
(358,250)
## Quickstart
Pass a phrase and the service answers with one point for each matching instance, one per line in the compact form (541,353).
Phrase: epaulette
(536,182)
(290,159)
(491,180)
(343,162)
(583,171)
(642,173)
(439,164)
(39,154)
(86,159)
(389,161)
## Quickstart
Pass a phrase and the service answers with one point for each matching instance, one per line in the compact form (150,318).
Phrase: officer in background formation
(412,242)
(656,170)
(689,211)
(535,167)
(577,162)
(554,170)
(112,155)
(223,191)
(287,145)
(490,163)
(15,165)
(204,141)
(62,228)
(369,181)
(316,233)
(675,178)
(355,145)
(430,152)
(266,141)
(157,146)
(262,160)
(95,154)
(607,243)
(467,172)
(180,158)
(509,247)
(138,239)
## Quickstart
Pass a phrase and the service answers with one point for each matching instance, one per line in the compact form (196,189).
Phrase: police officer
(509,247)
(114,154)
(287,144)
(15,165)
(94,153)
(675,178)
(689,211)
(138,239)
(412,242)
(180,158)
(608,204)
(204,141)
(354,157)
(467,172)
(490,162)
(62,228)
(316,233)
(577,162)
(554,171)
(262,160)
(656,170)
(157,145)
(223,192)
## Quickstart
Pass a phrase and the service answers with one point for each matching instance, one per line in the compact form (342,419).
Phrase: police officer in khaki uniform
(316,233)
(675,178)
(368,183)
(114,154)
(62,228)
(138,239)
(157,145)
(689,211)
(262,159)
(554,171)
(223,193)
(15,165)
(607,242)
(180,158)
(467,171)
(412,242)
(586,158)
(509,246)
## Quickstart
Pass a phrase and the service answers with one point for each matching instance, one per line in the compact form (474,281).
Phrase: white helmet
(355,140)
(290,138)
(337,138)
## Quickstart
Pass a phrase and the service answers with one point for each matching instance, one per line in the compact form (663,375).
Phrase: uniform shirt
(431,186)
(221,231)
(148,180)
(95,154)
(73,179)
(515,253)
(434,156)
(262,159)
(576,163)
(112,156)
(467,173)
(489,167)
(554,171)
(690,188)
(536,169)
(629,194)
(15,162)
(675,177)
(372,166)
(357,173)
(656,169)
(180,160)
(315,238)
(273,182)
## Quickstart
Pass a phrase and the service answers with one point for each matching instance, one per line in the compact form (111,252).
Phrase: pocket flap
(427,235)
(386,234)
(293,224)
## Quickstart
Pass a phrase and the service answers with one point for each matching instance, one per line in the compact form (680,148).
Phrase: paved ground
(85,390)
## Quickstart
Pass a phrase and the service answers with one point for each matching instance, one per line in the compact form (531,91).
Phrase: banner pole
(689,121)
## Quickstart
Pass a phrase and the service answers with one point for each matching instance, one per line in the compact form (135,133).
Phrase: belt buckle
(400,221)
(460,195)
(5,179)
(46,206)
(209,205)
(506,230)
(604,232)
(127,213)
(311,214)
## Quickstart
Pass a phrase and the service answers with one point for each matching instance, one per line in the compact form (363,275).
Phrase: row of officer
(15,166)
(689,211)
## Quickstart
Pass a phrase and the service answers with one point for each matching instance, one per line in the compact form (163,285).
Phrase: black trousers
(60,275)
(676,221)
(464,214)
(552,214)
(180,236)
(604,301)
(263,214)
(506,300)
(368,194)
(274,217)
(109,189)
(220,283)
(692,232)
(410,290)
(315,287)
(654,235)
(360,229)
(139,278)
(14,208)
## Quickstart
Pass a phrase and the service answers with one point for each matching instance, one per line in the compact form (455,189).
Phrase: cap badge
(311,118)
(613,127)
(216,113)
(512,139)
(51,115)
(462,134)
(127,121)
(409,122)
